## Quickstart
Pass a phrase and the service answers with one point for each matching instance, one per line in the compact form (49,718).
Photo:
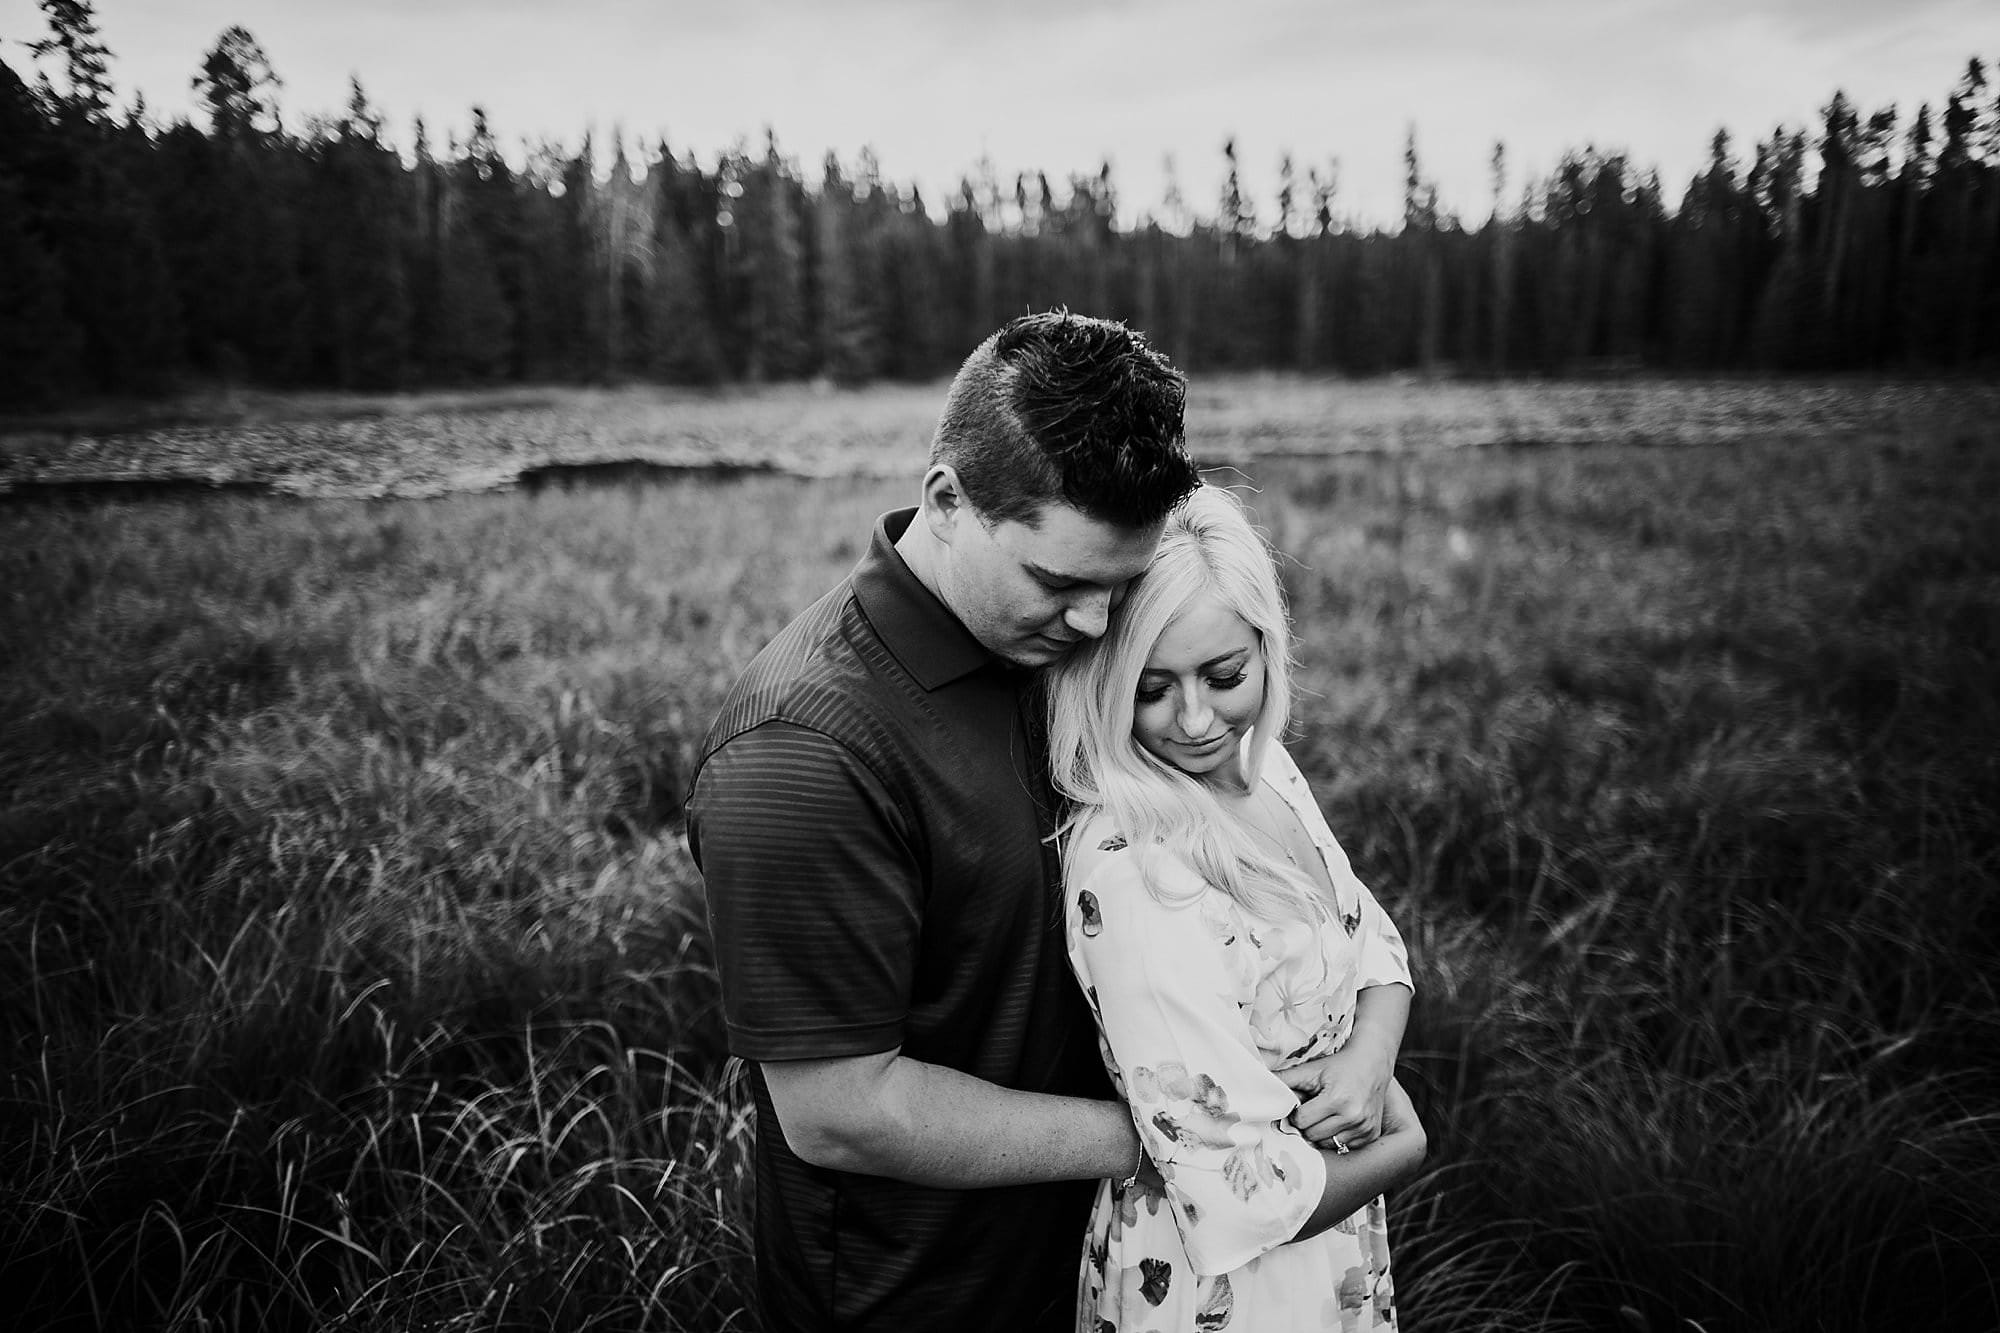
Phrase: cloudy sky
(1062,85)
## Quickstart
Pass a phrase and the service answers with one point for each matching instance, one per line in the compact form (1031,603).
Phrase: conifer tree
(239,88)
(1704,264)
(40,345)
(1500,236)
(476,333)
(772,266)
(114,318)
(683,345)
(424,223)
(622,242)
(1420,221)
(354,246)
(1283,232)
(235,224)
(847,338)
(1236,221)
(971,264)
(85,97)
(1783,308)
(488,226)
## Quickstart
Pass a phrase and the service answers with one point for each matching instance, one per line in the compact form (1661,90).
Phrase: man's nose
(1088,615)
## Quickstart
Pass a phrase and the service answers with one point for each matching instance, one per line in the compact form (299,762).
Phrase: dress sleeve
(1171,983)
(814,895)
(1385,960)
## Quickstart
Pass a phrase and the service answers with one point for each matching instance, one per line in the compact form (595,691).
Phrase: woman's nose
(1195,716)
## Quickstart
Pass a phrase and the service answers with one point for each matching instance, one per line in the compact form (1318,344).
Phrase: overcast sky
(1061,85)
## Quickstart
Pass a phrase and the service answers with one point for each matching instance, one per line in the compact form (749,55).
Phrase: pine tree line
(134,258)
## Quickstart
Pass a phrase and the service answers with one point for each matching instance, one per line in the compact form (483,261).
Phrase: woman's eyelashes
(1159,692)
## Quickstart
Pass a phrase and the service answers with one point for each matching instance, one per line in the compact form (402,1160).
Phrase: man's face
(1030,594)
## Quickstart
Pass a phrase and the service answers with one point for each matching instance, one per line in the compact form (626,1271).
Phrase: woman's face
(1201,690)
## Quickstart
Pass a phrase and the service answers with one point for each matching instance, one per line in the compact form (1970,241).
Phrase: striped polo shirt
(869,816)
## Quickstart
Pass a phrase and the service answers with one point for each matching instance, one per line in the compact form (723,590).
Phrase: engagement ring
(1340,1147)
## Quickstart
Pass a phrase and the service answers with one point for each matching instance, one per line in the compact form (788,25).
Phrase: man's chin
(1040,651)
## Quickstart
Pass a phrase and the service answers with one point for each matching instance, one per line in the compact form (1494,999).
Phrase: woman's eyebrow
(1210,664)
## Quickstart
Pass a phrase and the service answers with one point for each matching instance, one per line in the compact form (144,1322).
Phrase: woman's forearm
(1358,1175)
(1380,1015)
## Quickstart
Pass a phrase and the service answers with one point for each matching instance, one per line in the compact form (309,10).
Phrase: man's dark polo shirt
(869,816)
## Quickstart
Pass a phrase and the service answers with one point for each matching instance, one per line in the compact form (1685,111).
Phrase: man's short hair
(1064,408)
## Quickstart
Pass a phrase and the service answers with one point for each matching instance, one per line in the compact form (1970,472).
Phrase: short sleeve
(1384,960)
(813,895)
(1170,982)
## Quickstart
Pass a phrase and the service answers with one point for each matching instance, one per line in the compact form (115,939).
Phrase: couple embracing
(1061,1005)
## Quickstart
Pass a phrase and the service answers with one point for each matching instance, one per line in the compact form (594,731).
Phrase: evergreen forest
(137,258)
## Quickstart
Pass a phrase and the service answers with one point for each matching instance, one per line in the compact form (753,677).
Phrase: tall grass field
(352,966)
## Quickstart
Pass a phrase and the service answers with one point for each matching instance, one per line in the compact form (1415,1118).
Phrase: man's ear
(944,504)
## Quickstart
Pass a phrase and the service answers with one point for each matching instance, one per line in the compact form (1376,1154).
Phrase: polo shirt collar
(930,642)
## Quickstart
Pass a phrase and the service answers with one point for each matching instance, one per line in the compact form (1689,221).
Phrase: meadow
(352,969)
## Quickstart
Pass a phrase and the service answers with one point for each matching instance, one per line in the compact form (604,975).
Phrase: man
(871,816)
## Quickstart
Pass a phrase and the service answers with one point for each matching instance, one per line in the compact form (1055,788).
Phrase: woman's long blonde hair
(1208,547)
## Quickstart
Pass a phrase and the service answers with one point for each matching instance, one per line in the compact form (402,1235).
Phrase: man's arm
(816,919)
(886,1115)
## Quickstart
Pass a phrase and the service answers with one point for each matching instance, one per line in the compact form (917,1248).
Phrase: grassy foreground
(351,973)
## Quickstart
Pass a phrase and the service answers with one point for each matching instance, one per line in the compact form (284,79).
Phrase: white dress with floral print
(1197,1004)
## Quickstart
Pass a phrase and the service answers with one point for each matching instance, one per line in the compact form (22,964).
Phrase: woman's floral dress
(1197,1003)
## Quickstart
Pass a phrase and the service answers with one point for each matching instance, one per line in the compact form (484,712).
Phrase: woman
(1230,956)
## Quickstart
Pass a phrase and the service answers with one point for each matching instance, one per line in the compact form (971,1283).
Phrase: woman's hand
(1342,1096)
(1342,1093)
(1357,1175)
